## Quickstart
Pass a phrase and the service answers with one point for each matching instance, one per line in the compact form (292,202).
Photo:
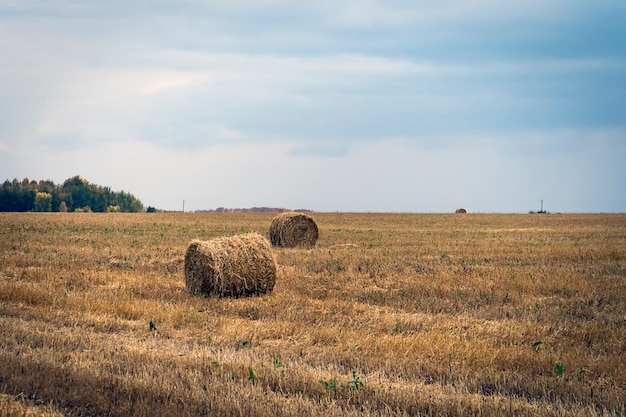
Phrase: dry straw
(461,211)
(293,229)
(234,266)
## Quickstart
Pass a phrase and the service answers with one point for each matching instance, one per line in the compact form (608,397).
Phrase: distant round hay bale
(236,266)
(293,229)
(461,211)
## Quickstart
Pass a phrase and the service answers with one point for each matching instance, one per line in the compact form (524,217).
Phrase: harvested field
(389,314)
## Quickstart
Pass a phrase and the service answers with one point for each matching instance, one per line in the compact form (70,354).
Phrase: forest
(76,194)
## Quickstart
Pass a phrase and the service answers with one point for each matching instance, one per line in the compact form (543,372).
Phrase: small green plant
(536,346)
(356,383)
(279,365)
(330,385)
(152,326)
(560,369)
(251,375)
(245,343)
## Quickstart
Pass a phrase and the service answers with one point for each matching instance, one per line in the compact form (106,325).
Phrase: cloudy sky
(354,105)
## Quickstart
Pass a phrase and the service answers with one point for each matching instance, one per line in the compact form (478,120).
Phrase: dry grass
(390,314)
(18,406)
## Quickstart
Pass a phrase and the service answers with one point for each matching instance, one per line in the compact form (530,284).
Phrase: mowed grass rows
(389,315)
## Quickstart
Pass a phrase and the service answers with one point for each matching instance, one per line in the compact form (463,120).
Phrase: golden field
(389,315)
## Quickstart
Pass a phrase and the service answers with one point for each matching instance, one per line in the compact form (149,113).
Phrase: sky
(368,105)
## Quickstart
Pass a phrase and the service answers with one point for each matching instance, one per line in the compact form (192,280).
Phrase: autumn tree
(43,201)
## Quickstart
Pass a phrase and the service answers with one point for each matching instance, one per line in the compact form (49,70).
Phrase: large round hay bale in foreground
(461,211)
(293,229)
(236,266)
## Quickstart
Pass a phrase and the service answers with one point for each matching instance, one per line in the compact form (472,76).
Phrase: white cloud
(113,101)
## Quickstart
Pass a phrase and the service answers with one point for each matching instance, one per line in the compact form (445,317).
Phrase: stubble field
(389,315)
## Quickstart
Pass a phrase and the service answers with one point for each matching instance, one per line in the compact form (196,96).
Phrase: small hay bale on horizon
(236,266)
(291,229)
(461,211)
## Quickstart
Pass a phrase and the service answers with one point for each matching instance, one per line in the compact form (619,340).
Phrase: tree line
(75,194)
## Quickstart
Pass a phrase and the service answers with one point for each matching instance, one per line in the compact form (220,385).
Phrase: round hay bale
(236,266)
(293,229)
(460,211)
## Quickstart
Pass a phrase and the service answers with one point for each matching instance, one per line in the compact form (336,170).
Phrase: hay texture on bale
(236,266)
(293,229)
(460,211)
